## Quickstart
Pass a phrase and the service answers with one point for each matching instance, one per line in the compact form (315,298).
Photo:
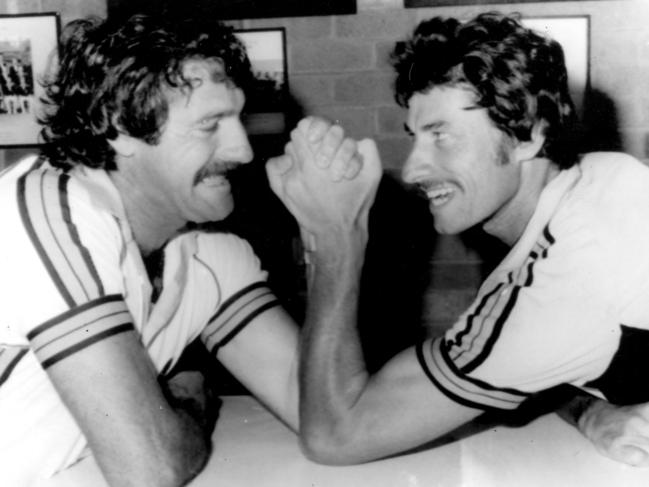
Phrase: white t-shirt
(72,275)
(568,304)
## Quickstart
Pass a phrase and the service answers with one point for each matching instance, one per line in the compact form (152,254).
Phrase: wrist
(337,244)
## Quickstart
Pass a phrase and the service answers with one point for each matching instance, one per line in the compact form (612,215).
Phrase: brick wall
(338,68)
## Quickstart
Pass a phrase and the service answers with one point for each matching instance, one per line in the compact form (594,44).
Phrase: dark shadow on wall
(600,123)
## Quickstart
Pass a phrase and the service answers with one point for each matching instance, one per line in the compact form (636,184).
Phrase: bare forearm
(332,372)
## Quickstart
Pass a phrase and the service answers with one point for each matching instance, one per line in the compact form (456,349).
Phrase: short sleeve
(64,289)
(548,322)
(244,291)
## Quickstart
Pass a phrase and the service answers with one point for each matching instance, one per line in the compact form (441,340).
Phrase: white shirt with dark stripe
(71,275)
(568,304)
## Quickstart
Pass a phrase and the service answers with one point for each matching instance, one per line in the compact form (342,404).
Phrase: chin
(214,213)
(449,228)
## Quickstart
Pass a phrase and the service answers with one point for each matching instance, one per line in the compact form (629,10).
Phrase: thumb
(280,164)
(371,159)
(635,455)
(276,167)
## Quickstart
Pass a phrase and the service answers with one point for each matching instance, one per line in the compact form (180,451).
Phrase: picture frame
(233,9)
(27,44)
(445,3)
(266,100)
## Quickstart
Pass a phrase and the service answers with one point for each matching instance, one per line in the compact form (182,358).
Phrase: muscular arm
(347,415)
(136,436)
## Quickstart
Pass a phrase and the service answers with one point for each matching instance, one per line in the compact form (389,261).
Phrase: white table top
(252,448)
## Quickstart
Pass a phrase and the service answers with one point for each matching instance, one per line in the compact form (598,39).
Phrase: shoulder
(217,245)
(612,167)
(65,244)
(230,259)
(606,212)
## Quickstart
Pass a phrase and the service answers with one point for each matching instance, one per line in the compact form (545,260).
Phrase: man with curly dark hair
(490,115)
(142,129)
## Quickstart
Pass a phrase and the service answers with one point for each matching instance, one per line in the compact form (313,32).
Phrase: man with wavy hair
(490,114)
(142,130)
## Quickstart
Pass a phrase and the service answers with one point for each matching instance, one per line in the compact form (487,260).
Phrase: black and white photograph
(27,43)
(324,243)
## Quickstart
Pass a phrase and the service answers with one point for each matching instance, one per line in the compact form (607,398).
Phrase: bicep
(401,409)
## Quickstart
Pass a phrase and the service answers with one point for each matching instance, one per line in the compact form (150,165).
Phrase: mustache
(220,168)
(418,189)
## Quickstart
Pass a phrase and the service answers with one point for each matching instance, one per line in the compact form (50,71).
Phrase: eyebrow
(217,112)
(425,126)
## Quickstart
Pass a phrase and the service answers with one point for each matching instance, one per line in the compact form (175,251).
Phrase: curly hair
(517,75)
(114,77)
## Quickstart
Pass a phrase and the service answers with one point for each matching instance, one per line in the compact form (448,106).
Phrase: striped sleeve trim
(79,328)
(45,211)
(472,346)
(9,358)
(462,389)
(236,312)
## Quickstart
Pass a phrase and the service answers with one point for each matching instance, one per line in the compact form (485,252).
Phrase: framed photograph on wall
(233,9)
(265,102)
(27,44)
(439,3)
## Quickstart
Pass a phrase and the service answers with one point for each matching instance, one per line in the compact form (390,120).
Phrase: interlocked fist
(326,180)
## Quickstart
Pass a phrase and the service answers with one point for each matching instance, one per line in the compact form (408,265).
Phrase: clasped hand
(326,180)
(618,432)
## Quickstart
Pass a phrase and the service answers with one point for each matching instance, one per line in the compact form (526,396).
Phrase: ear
(529,149)
(124,145)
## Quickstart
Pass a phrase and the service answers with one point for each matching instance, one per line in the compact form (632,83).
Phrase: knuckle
(337,131)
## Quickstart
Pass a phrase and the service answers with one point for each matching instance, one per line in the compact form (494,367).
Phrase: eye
(210,124)
(439,134)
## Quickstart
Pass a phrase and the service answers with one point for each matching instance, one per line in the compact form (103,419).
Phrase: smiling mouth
(215,180)
(215,174)
(438,194)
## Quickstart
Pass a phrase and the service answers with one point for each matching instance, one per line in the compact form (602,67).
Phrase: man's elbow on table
(170,463)
(188,465)
(329,444)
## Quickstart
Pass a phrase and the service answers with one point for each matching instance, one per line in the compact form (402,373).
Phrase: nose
(234,145)
(415,165)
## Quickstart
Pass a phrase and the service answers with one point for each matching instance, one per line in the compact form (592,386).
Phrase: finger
(635,456)
(315,130)
(301,151)
(330,144)
(354,166)
(343,158)
(371,159)
(630,453)
(304,125)
(283,163)
(289,150)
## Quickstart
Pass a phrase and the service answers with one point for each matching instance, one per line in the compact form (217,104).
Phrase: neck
(150,224)
(510,221)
